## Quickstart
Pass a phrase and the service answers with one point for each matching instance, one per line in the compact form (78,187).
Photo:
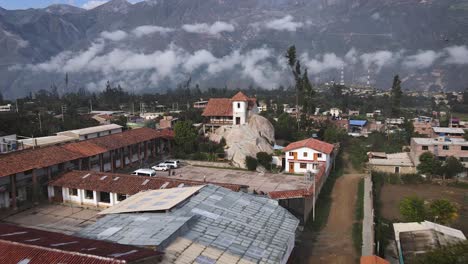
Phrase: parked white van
(145,172)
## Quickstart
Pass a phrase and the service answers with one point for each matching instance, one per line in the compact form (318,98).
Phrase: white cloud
(351,56)
(379,59)
(93,4)
(457,55)
(284,24)
(203,28)
(117,35)
(199,58)
(422,59)
(149,29)
(328,61)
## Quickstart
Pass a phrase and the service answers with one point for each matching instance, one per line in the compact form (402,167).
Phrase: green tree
(451,254)
(1,98)
(429,164)
(334,134)
(412,209)
(295,66)
(185,136)
(285,127)
(442,211)
(396,95)
(251,163)
(452,167)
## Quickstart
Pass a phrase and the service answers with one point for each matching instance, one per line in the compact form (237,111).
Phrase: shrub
(251,163)
(393,178)
(199,156)
(264,159)
(411,178)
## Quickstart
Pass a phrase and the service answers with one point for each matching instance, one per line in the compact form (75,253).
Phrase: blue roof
(277,147)
(357,122)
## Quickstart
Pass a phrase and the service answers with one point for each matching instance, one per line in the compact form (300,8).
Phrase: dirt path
(334,242)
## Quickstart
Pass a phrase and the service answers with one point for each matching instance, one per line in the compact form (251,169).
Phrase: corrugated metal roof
(357,122)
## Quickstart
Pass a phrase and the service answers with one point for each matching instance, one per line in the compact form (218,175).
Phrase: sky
(24,4)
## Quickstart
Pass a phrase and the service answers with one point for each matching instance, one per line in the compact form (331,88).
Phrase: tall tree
(185,136)
(429,164)
(295,66)
(442,211)
(412,209)
(396,95)
(1,98)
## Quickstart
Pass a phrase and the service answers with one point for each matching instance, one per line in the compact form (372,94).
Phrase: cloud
(422,59)
(457,55)
(93,4)
(203,28)
(149,29)
(284,24)
(352,56)
(328,61)
(117,35)
(379,59)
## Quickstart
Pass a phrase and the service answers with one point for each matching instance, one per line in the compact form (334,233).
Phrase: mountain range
(154,45)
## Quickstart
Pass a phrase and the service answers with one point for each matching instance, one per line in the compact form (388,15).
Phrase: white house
(306,155)
(336,112)
(230,111)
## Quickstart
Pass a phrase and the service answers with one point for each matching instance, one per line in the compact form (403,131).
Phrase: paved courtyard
(57,218)
(266,182)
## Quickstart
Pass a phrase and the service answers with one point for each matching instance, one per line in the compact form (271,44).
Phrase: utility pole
(90,105)
(40,123)
(64,110)
(17,110)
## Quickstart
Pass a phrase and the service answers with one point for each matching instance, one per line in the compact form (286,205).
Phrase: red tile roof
(25,160)
(373,260)
(13,253)
(124,183)
(218,107)
(223,106)
(49,247)
(315,144)
(240,96)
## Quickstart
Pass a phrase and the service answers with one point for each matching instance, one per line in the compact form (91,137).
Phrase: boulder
(246,140)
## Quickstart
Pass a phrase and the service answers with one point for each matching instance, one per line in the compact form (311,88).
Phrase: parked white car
(161,167)
(174,164)
(145,172)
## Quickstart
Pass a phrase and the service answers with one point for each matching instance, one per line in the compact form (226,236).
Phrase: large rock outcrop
(246,140)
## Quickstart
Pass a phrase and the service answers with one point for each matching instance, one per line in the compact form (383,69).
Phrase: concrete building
(413,239)
(452,132)
(399,163)
(200,104)
(202,224)
(92,132)
(306,155)
(23,174)
(6,108)
(441,147)
(45,141)
(98,189)
(423,125)
(167,122)
(335,112)
(230,111)
(26,245)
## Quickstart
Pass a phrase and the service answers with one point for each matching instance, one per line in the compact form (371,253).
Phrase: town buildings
(230,111)
(399,163)
(452,132)
(92,132)
(24,174)
(441,147)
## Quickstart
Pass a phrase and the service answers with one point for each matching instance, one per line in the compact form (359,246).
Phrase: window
(238,105)
(463,159)
(445,147)
(89,194)
(303,165)
(425,148)
(305,154)
(86,137)
(121,197)
(464,147)
(105,197)
(98,134)
(442,158)
(319,155)
(73,192)
(291,154)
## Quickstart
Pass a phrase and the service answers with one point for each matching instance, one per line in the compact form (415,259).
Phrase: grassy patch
(383,229)
(358,216)
(324,200)
(224,168)
(462,185)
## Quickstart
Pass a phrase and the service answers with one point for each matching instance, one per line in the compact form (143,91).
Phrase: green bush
(251,163)
(199,156)
(411,178)
(393,178)
(204,147)
(264,159)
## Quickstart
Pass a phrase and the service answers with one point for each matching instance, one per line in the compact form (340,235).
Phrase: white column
(112,198)
(50,191)
(65,194)
(6,198)
(81,195)
(96,200)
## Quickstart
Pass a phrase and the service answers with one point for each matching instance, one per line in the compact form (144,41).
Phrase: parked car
(145,172)
(161,167)
(174,164)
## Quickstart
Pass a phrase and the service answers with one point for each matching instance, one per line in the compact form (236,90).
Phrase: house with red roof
(230,111)
(306,155)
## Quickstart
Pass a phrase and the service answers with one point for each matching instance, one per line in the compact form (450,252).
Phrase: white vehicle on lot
(145,172)
(161,167)
(174,164)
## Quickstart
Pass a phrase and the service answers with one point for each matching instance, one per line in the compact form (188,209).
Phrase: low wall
(209,164)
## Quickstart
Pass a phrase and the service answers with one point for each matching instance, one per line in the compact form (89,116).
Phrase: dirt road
(334,242)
